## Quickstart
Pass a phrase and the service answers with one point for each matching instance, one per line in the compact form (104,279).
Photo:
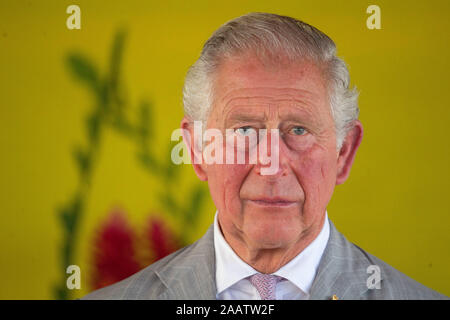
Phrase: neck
(269,260)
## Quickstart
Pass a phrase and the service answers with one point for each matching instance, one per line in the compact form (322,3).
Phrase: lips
(273,202)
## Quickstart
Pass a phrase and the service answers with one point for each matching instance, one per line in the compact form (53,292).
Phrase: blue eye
(244,131)
(299,131)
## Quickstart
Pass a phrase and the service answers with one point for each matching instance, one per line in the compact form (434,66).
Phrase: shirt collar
(301,270)
(229,267)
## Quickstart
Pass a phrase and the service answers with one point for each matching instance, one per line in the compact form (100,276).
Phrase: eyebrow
(240,113)
(238,116)
(295,115)
(301,116)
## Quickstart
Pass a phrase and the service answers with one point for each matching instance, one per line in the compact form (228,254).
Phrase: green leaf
(103,97)
(66,217)
(93,126)
(82,160)
(197,197)
(121,125)
(169,204)
(149,162)
(114,70)
(116,56)
(84,70)
(172,170)
(60,292)
(70,213)
(145,122)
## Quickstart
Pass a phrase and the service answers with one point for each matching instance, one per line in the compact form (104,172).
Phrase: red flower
(162,241)
(119,251)
(114,256)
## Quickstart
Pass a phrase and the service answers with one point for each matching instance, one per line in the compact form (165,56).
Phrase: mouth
(275,202)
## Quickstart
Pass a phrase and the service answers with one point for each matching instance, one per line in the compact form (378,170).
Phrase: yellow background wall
(394,205)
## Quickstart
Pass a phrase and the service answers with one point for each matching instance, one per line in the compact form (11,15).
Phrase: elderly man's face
(274,211)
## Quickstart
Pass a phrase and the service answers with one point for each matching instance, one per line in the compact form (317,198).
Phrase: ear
(347,153)
(195,149)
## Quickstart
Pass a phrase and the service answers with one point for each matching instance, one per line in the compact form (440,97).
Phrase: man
(278,81)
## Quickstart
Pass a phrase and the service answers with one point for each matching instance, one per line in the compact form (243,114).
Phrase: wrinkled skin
(269,219)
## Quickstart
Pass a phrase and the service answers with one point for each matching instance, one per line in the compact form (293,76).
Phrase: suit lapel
(193,276)
(342,270)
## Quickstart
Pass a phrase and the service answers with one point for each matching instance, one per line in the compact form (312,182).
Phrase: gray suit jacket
(189,273)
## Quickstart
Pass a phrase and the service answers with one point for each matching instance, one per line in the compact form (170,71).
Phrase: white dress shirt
(232,272)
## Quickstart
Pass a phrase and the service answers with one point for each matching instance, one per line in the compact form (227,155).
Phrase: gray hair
(271,35)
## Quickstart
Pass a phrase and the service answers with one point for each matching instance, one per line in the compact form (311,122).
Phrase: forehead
(248,81)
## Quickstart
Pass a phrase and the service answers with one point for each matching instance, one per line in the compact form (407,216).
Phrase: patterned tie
(265,284)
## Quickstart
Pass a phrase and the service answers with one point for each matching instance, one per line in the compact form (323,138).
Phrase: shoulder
(152,281)
(393,283)
(134,286)
(353,273)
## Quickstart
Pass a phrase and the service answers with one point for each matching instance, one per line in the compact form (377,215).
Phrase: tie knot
(265,284)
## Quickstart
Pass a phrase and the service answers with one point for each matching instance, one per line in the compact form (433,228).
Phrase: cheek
(225,182)
(316,171)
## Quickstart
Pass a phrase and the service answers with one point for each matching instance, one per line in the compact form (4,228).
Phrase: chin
(273,235)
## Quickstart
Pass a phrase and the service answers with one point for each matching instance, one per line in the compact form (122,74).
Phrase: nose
(272,158)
